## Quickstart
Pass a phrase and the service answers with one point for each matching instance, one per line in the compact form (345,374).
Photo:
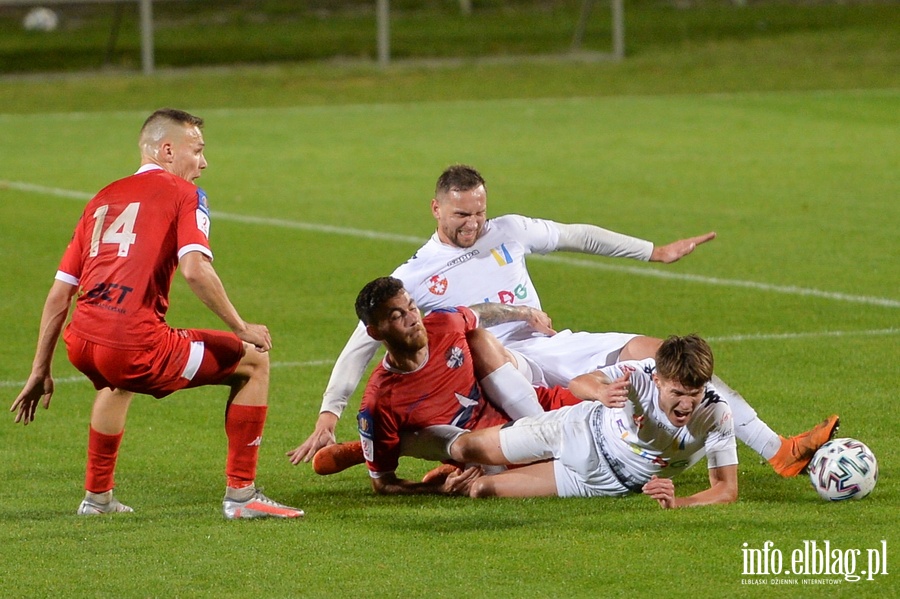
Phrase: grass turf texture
(801,186)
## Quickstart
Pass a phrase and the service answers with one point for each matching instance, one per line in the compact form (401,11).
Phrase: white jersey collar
(148,167)
(387,365)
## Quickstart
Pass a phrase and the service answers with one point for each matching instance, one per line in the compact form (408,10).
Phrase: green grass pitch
(799,296)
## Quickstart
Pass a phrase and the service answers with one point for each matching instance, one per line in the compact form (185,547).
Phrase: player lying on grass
(120,262)
(654,418)
(470,258)
(437,370)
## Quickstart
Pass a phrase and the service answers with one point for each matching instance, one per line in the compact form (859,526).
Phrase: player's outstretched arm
(40,382)
(672,252)
(723,489)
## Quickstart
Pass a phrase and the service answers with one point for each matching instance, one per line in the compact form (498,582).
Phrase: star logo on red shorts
(438,284)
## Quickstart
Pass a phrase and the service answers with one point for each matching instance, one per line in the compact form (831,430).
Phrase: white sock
(99,498)
(755,433)
(242,494)
(510,391)
(430,443)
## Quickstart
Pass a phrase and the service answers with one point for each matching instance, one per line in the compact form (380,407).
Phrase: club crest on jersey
(455,357)
(437,284)
(202,212)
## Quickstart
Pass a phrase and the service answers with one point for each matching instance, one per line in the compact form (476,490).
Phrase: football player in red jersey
(118,267)
(444,369)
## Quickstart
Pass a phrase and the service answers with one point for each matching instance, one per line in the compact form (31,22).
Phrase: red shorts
(184,358)
(553,398)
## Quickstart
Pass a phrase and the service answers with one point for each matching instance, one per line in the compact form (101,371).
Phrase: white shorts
(565,436)
(556,360)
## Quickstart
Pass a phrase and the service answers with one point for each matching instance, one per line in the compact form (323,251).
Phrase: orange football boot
(796,452)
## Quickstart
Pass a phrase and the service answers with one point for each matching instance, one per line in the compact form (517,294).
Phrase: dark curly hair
(375,294)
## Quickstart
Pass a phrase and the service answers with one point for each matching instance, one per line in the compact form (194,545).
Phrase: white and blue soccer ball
(843,469)
(41,19)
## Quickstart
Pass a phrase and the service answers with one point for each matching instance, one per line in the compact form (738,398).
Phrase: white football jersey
(492,270)
(643,440)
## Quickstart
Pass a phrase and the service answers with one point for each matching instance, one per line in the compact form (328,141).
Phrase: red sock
(244,427)
(103,450)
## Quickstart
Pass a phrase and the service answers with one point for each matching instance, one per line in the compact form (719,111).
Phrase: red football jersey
(442,391)
(124,252)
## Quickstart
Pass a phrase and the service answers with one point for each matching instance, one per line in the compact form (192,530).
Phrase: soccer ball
(40,19)
(843,469)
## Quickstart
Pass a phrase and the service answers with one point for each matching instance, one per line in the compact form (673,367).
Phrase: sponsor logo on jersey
(110,293)
(437,284)
(501,255)
(711,397)
(504,296)
(455,357)
(653,458)
(464,258)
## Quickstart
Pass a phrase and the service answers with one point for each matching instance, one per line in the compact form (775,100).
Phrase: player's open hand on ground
(323,436)
(460,482)
(677,250)
(662,490)
(27,402)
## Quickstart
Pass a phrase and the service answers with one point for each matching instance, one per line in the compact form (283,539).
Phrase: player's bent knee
(640,348)
(488,354)
(459,449)
(483,487)
(255,359)
(254,365)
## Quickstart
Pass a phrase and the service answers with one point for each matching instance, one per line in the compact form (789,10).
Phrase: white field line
(725,339)
(807,335)
(580,262)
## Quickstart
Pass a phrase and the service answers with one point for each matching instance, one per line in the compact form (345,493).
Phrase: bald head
(172,139)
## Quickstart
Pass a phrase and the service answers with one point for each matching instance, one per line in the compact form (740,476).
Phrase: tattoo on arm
(491,314)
